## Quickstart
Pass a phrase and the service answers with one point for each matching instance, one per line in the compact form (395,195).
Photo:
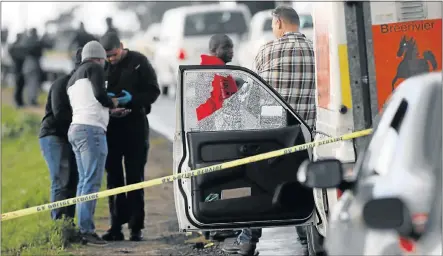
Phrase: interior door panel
(275,193)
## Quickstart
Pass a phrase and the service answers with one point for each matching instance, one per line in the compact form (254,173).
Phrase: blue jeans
(63,172)
(90,148)
(248,235)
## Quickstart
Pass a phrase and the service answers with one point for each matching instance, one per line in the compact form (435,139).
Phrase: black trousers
(132,150)
(19,86)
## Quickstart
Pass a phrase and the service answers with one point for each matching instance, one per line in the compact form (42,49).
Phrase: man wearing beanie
(131,75)
(87,133)
(55,146)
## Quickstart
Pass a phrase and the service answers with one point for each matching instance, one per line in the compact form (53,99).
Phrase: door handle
(249,150)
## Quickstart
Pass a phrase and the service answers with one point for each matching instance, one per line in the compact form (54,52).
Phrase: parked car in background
(185,34)
(260,32)
(389,200)
(57,61)
(306,25)
(152,37)
(146,41)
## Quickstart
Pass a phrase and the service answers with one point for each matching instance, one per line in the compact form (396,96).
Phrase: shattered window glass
(227,100)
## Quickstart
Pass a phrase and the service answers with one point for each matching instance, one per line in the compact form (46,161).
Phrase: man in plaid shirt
(288,65)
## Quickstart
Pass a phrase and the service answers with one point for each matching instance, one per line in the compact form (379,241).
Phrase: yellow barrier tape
(186,175)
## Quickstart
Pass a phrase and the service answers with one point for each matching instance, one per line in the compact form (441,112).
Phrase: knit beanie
(93,50)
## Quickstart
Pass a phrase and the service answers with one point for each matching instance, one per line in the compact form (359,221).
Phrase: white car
(402,162)
(146,42)
(185,33)
(260,33)
(253,120)
(306,25)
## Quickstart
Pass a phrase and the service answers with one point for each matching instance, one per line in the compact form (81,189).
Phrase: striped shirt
(288,65)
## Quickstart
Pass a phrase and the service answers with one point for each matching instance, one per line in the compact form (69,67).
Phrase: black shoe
(113,235)
(231,245)
(248,249)
(93,239)
(75,237)
(136,235)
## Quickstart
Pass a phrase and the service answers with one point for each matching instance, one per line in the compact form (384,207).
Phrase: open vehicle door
(250,121)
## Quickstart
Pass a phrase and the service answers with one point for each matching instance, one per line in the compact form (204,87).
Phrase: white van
(260,32)
(185,34)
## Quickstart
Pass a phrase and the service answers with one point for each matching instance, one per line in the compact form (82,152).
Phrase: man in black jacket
(130,74)
(110,27)
(81,37)
(32,69)
(18,55)
(55,146)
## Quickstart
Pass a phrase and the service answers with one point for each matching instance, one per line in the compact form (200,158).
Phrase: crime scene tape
(179,176)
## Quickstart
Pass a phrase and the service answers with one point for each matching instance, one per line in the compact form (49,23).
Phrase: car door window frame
(306,130)
(264,84)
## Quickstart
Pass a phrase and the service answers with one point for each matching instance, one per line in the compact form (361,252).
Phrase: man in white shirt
(87,133)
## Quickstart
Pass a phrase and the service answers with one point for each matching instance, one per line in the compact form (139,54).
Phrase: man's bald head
(221,46)
(284,19)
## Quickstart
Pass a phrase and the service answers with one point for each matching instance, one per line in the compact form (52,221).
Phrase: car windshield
(305,22)
(218,22)
(268,25)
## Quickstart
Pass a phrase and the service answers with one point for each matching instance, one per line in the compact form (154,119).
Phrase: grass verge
(25,183)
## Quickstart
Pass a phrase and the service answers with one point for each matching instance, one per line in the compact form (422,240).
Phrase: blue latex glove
(110,94)
(125,99)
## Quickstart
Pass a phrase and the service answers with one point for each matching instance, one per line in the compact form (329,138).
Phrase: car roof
(208,7)
(263,14)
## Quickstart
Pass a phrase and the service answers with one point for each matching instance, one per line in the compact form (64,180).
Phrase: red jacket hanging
(222,88)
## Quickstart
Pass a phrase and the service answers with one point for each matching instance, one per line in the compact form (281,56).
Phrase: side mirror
(321,174)
(389,213)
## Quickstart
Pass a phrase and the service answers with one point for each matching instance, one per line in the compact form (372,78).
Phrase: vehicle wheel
(315,241)
(165,90)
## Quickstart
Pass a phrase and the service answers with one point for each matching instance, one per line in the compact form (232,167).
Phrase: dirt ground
(161,235)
